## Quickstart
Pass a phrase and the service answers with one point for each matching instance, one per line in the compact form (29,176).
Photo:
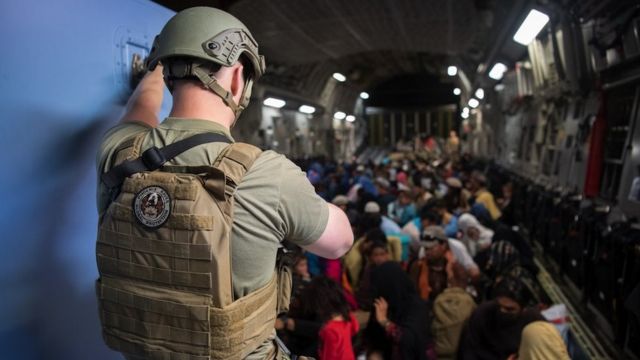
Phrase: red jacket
(335,339)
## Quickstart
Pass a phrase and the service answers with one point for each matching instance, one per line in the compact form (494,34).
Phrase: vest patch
(152,206)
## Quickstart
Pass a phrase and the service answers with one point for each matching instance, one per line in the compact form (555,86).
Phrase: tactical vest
(164,257)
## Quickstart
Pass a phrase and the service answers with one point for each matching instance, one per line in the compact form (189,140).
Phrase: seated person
(415,227)
(321,324)
(387,225)
(451,310)
(377,254)
(402,210)
(430,272)
(495,327)
(397,330)
(355,259)
(300,275)
(475,236)
(541,341)
(448,221)
(503,259)
(478,186)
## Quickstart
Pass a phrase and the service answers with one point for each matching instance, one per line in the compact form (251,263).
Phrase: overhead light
(339,77)
(465,115)
(497,71)
(307,109)
(531,26)
(457,91)
(474,103)
(480,94)
(465,110)
(452,70)
(364,95)
(499,87)
(351,118)
(339,115)
(273,102)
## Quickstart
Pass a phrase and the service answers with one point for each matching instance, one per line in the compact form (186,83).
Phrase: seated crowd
(438,271)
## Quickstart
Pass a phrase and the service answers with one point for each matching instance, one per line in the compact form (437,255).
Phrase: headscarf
(540,341)
(502,255)
(490,334)
(406,310)
(467,221)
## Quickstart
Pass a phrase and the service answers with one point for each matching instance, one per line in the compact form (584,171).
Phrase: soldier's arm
(145,102)
(337,237)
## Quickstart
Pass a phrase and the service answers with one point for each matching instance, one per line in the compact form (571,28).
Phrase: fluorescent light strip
(497,71)
(306,109)
(339,77)
(273,102)
(339,115)
(364,95)
(452,70)
(531,27)
(351,118)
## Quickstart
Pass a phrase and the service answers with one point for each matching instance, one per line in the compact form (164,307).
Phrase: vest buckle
(153,158)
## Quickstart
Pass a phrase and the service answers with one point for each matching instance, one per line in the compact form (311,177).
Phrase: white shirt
(461,254)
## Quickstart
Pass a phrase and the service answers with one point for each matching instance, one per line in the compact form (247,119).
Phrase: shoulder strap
(236,159)
(153,158)
(230,167)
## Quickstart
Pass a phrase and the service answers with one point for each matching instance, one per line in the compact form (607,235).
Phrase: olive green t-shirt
(274,201)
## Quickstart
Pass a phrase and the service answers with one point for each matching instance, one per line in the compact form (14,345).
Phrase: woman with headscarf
(503,259)
(541,341)
(475,236)
(495,327)
(398,330)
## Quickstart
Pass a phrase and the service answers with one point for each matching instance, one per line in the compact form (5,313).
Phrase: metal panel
(59,91)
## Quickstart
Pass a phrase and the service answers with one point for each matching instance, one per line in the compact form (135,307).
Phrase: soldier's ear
(237,82)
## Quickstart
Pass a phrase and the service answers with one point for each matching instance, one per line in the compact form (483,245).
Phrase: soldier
(191,222)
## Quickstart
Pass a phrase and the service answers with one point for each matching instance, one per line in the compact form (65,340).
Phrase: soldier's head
(212,49)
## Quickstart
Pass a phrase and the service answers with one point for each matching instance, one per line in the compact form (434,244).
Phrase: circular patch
(152,206)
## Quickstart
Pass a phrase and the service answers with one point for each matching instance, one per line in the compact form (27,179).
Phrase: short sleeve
(110,142)
(305,214)
(114,137)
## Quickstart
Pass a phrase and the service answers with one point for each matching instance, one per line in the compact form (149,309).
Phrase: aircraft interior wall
(64,81)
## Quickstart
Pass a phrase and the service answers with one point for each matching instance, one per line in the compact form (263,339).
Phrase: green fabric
(275,201)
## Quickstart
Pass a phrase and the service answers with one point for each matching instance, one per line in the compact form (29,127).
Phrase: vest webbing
(168,293)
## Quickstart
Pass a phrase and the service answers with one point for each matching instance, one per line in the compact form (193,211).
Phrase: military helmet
(206,35)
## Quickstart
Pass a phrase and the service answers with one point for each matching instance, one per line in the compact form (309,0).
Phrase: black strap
(153,158)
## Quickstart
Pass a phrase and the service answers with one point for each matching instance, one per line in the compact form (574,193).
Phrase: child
(324,301)
(300,276)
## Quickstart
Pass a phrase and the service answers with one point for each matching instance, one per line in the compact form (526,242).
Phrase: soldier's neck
(197,103)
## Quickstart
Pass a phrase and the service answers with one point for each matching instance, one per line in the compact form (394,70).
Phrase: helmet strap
(212,83)
(183,70)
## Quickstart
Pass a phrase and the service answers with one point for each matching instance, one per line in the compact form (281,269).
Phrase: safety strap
(153,158)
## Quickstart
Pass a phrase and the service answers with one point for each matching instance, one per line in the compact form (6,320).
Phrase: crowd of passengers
(438,269)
